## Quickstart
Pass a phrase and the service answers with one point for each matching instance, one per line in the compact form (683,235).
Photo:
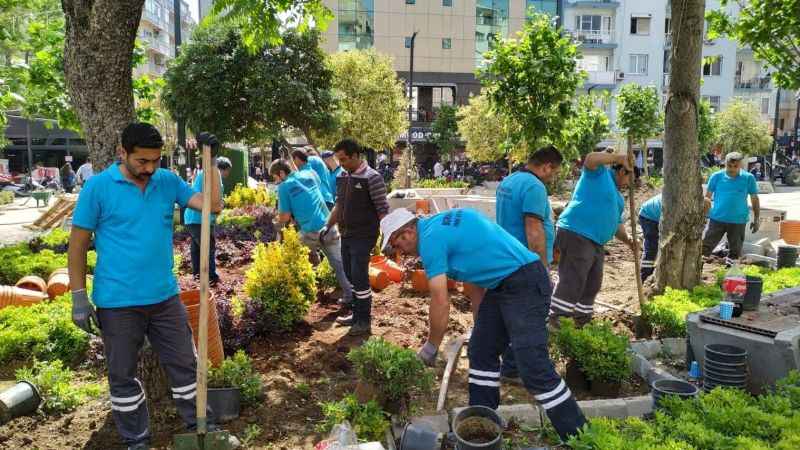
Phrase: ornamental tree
(639,115)
(585,129)
(741,128)
(487,133)
(707,131)
(444,130)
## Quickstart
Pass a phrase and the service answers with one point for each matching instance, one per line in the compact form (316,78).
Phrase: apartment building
(622,41)
(157,33)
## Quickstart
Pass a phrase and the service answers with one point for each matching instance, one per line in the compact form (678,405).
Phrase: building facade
(157,34)
(622,41)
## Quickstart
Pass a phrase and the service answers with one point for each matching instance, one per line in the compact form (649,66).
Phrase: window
(441,96)
(765,105)
(666,61)
(638,64)
(667,24)
(447,2)
(782,123)
(408,41)
(410,2)
(356,24)
(549,7)
(713,66)
(491,24)
(640,25)
(446,43)
(713,100)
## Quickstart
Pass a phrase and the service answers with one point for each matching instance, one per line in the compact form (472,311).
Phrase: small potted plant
(232,384)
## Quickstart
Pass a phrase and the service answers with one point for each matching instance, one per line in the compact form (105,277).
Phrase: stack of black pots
(787,256)
(725,366)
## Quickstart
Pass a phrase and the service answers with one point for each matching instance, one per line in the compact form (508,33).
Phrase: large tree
(487,133)
(532,80)
(679,262)
(371,101)
(588,126)
(741,128)
(707,130)
(444,130)
(639,115)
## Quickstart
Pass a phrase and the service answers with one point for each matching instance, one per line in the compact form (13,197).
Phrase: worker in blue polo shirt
(299,197)
(334,169)
(129,208)
(192,219)
(728,191)
(512,289)
(649,217)
(523,209)
(303,161)
(591,219)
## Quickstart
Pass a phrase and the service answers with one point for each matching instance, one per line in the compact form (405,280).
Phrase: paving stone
(439,423)
(658,374)
(641,365)
(648,349)
(639,406)
(613,407)
(675,346)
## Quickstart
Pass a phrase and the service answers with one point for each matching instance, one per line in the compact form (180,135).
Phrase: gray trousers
(716,230)
(166,327)
(580,276)
(332,248)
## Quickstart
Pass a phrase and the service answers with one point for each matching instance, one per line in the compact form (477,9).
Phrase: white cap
(393,222)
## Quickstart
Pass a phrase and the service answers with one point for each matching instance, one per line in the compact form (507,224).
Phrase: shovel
(202,439)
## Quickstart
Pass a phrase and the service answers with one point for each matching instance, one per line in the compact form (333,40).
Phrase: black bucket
(787,256)
(727,380)
(725,354)
(730,369)
(225,403)
(752,296)
(21,399)
(665,387)
(420,437)
(478,428)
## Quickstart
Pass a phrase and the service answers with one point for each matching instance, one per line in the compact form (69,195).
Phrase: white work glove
(428,354)
(83,313)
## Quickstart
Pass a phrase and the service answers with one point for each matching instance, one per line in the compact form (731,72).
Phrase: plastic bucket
(787,256)
(378,279)
(191,299)
(21,399)
(664,387)
(225,403)
(394,271)
(32,283)
(58,283)
(752,297)
(725,354)
(478,428)
(420,437)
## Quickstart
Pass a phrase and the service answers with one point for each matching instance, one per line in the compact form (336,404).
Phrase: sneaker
(360,329)
(345,320)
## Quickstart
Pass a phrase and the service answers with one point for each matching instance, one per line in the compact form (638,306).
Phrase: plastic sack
(341,437)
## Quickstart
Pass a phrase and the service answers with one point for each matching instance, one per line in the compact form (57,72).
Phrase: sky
(194,6)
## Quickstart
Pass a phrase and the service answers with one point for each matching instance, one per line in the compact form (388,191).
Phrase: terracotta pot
(14,296)
(191,299)
(378,279)
(392,269)
(419,281)
(32,283)
(58,283)
(423,206)
(790,231)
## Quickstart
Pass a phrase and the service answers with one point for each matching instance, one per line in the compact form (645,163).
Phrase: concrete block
(656,374)
(675,346)
(639,406)
(765,187)
(589,409)
(648,349)
(613,407)
(641,366)
(440,423)
(523,413)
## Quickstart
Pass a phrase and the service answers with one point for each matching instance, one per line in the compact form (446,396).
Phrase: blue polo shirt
(332,180)
(651,209)
(316,164)
(596,208)
(132,235)
(730,196)
(192,216)
(299,195)
(523,194)
(466,246)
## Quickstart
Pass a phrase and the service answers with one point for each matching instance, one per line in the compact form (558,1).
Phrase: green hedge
(19,261)
(667,313)
(774,280)
(600,354)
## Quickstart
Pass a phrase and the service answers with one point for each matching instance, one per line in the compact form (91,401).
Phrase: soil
(478,430)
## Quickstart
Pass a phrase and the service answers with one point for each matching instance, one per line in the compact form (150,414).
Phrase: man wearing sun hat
(513,292)
(728,191)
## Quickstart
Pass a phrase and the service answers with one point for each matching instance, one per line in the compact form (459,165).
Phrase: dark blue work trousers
(650,253)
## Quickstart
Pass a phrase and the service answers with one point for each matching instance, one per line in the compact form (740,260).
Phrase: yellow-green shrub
(6,197)
(667,313)
(282,280)
(245,196)
(326,277)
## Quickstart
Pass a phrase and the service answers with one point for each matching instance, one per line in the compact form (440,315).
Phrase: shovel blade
(216,440)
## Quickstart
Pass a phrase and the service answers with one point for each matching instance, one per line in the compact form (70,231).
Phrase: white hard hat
(393,222)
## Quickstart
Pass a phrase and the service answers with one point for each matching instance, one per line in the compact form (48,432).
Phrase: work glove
(754,226)
(428,354)
(322,233)
(210,140)
(83,313)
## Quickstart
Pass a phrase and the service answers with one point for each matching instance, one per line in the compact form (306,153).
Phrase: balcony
(665,82)
(601,78)
(157,45)
(596,4)
(158,21)
(753,84)
(668,40)
(594,38)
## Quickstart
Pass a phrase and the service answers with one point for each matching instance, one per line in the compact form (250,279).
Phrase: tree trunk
(637,264)
(679,262)
(646,172)
(98,54)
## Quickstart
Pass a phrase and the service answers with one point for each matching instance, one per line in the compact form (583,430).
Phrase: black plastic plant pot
(752,297)
(735,367)
(665,387)
(225,403)
(478,428)
(19,400)
(420,437)
(725,354)
(726,381)
(787,256)
(725,370)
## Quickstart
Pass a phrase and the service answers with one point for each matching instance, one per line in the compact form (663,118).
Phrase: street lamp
(410,106)
(180,122)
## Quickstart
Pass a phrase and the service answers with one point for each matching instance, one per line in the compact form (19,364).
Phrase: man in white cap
(728,191)
(511,288)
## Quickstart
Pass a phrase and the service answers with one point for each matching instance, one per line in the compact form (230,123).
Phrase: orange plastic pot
(452,285)
(419,281)
(423,206)
(191,299)
(790,231)
(14,296)
(378,279)
(392,269)
(58,283)
(32,283)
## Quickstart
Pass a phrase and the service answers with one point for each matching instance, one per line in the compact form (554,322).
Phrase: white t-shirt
(85,171)
(438,169)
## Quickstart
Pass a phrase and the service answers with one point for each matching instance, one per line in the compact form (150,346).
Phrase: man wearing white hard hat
(464,245)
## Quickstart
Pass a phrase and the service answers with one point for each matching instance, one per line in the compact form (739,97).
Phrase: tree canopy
(770,27)
(371,104)
(639,114)
(487,133)
(444,130)
(707,132)
(588,126)
(741,128)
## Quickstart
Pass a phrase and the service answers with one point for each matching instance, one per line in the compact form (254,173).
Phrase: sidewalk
(14,216)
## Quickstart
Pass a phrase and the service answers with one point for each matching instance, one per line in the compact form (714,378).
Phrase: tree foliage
(486,132)
(741,128)
(444,130)
(532,80)
(707,132)
(371,104)
(218,85)
(585,129)
(639,114)
(770,27)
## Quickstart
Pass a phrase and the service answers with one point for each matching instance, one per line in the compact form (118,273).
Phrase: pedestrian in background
(67,178)
(334,169)
(85,171)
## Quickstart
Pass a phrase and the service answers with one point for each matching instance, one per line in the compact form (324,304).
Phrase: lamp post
(407,183)
(180,122)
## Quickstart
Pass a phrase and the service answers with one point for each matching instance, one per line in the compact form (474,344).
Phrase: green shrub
(43,331)
(368,420)
(58,238)
(395,372)
(440,183)
(245,196)
(774,280)
(282,280)
(326,277)
(228,219)
(19,261)
(6,197)
(237,372)
(667,313)
(56,385)
(600,354)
